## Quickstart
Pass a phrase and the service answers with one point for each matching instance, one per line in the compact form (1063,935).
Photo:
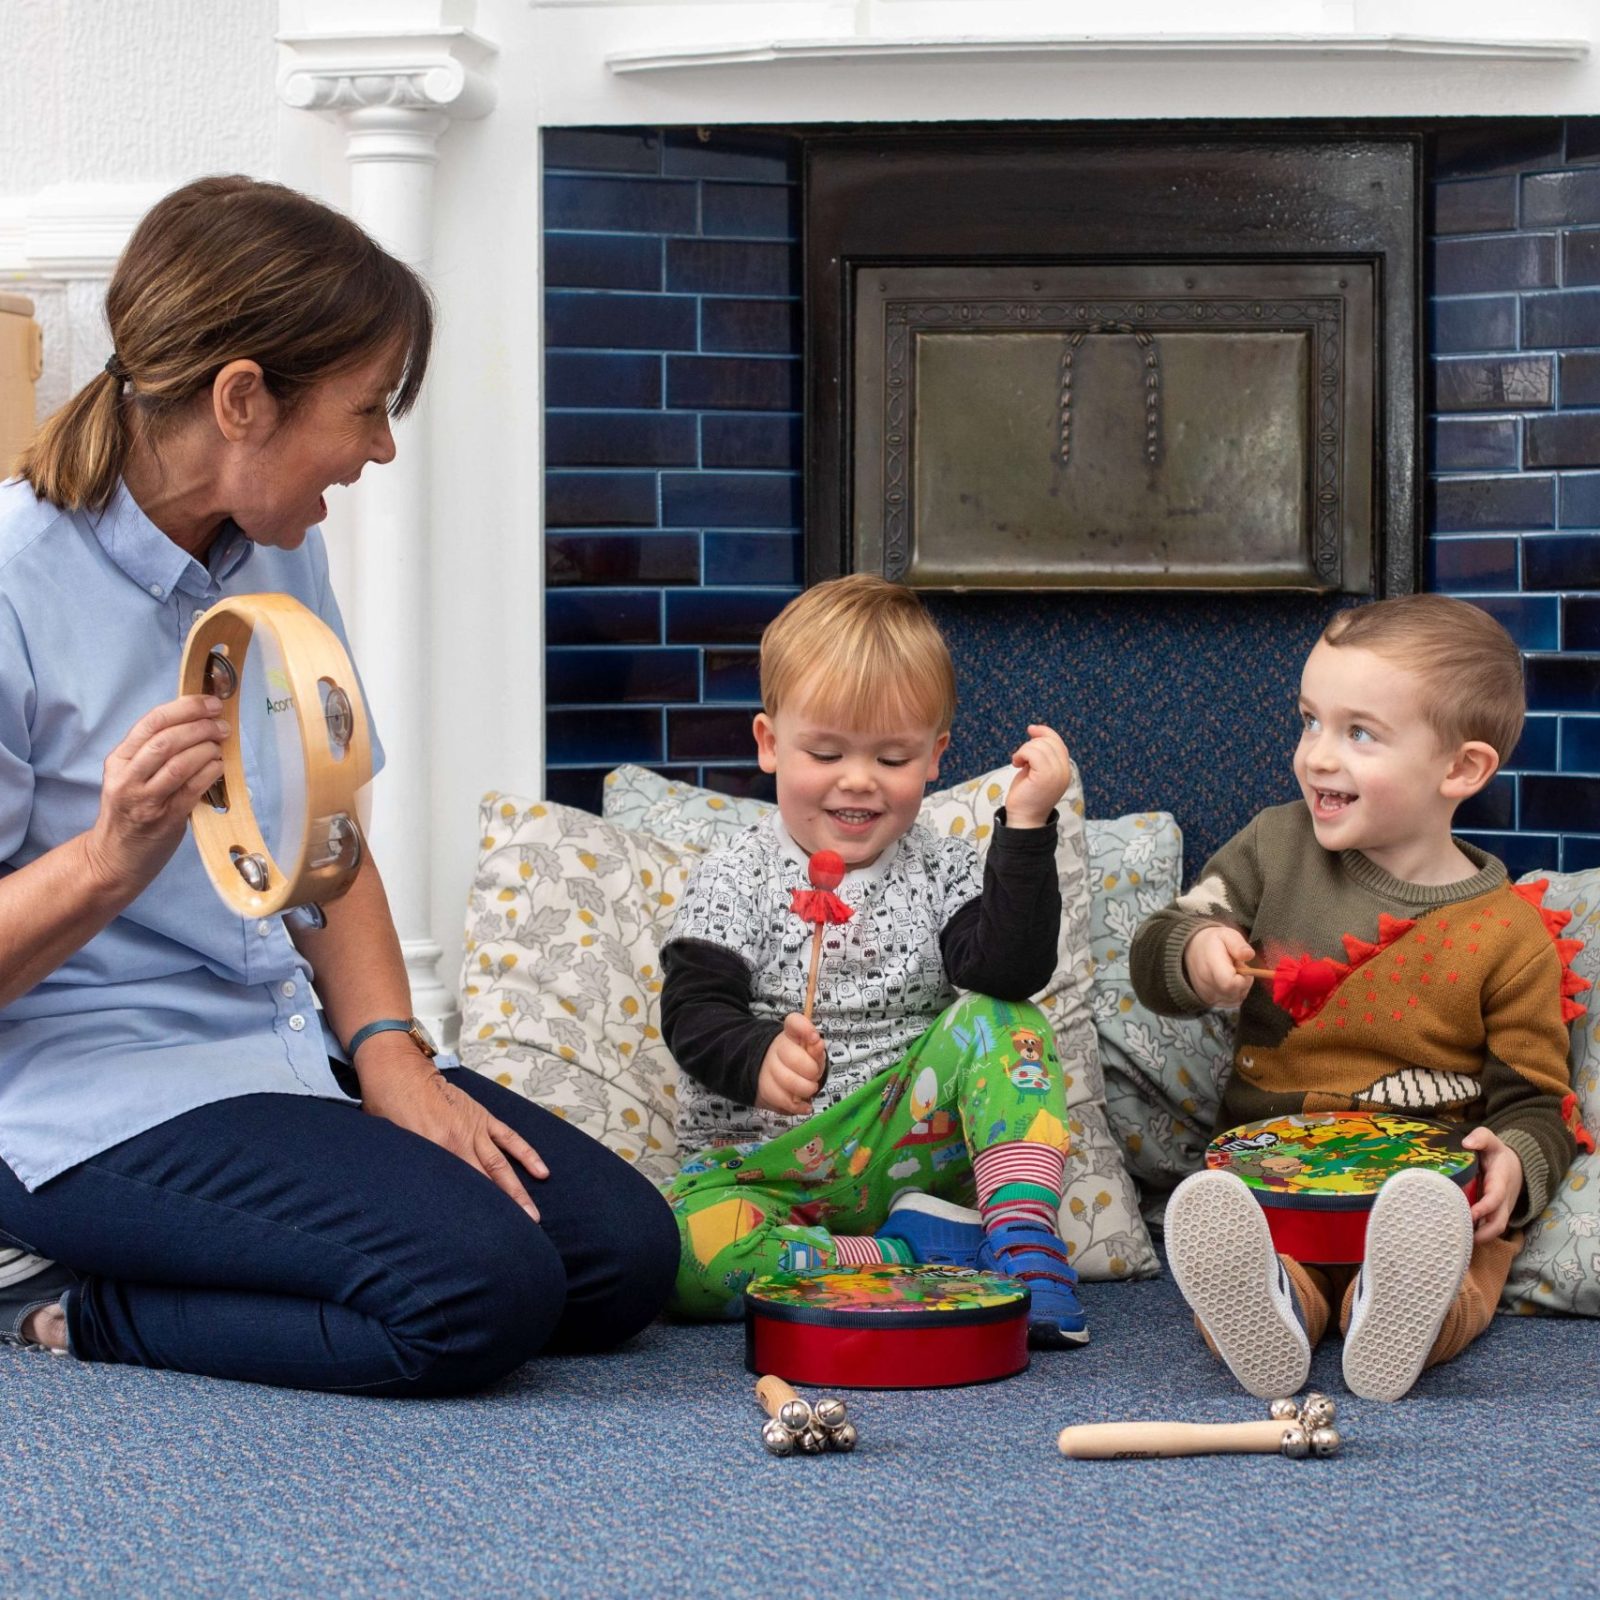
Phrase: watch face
(424,1038)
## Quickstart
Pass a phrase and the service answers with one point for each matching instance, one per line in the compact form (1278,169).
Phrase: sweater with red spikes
(1447,1000)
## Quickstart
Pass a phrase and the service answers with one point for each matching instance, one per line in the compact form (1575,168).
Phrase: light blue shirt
(177,1003)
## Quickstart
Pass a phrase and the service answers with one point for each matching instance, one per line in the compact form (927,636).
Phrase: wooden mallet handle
(773,1393)
(1135,1441)
(811,977)
(1245,970)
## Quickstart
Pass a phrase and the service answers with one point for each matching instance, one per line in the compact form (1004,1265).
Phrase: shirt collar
(153,561)
(856,879)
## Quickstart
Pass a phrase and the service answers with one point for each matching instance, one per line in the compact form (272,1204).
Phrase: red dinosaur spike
(1302,984)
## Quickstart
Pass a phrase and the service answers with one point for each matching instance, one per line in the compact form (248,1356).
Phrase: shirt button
(263,928)
(297,1022)
(288,989)
(155,589)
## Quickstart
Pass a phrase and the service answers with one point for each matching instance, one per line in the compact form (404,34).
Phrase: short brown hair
(864,650)
(221,270)
(1469,665)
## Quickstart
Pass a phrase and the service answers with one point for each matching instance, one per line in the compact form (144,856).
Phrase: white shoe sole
(1220,1250)
(1419,1241)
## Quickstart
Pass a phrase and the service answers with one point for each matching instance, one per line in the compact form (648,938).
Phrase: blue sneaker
(937,1232)
(1031,1253)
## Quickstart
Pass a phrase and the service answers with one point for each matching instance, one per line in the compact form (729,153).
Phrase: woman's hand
(1046,770)
(402,1085)
(1502,1183)
(152,781)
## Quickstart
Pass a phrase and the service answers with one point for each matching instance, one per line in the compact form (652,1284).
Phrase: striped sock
(863,1250)
(1019,1182)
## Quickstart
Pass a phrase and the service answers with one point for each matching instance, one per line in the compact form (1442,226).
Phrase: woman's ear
(241,404)
(1475,763)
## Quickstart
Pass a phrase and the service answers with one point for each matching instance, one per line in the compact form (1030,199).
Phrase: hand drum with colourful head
(285,824)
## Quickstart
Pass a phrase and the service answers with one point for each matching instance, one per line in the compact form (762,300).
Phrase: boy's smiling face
(1373,771)
(850,789)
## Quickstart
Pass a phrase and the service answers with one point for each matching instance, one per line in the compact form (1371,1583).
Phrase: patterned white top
(881,983)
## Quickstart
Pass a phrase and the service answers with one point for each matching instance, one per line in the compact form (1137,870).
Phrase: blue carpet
(642,1474)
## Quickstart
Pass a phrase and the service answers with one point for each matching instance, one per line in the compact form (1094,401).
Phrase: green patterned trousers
(984,1074)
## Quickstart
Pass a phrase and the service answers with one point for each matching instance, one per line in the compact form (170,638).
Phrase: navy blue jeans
(301,1242)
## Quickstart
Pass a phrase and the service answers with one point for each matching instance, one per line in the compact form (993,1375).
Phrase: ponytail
(76,458)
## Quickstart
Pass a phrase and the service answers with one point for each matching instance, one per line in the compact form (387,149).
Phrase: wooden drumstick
(1136,1441)
(1245,970)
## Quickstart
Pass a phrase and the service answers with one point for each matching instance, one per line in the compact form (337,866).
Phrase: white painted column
(394,94)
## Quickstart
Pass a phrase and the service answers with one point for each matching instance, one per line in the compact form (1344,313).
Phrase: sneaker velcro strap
(1032,1248)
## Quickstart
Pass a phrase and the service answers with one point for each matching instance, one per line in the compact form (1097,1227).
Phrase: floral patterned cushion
(1164,1075)
(1559,1266)
(1099,1218)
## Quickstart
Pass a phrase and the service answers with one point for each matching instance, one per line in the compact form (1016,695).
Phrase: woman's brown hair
(220,270)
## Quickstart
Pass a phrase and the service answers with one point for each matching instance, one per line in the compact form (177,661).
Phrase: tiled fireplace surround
(673,498)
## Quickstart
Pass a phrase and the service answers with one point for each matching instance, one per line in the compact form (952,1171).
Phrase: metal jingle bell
(1296,1443)
(811,1441)
(830,1413)
(1325,1441)
(1317,1411)
(777,1438)
(844,1437)
(1284,1411)
(795,1415)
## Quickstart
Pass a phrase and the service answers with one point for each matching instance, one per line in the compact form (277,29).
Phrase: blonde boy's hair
(863,651)
(1469,666)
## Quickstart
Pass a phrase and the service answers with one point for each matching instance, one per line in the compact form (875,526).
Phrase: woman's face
(334,432)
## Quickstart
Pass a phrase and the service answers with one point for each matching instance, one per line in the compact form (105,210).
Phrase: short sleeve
(16,741)
(725,902)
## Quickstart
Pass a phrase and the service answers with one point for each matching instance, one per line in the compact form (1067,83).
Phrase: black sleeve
(1004,943)
(706,1020)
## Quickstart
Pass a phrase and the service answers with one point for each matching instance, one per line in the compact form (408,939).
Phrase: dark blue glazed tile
(1467,504)
(602,738)
(746,782)
(754,559)
(1475,444)
(600,500)
(602,261)
(750,442)
(1482,322)
(1580,744)
(725,153)
(1536,749)
(1563,561)
(601,149)
(1580,257)
(1562,683)
(1580,378)
(1533,621)
(1479,205)
(621,205)
(603,616)
(733,675)
(601,380)
(732,266)
(623,559)
(1557,199)
(1579,854)
(749,211)
(1521,852)
(582,787)
(1494,383)
(1567,439)
(1467,566)
(709,733)
(728,383)
(1580,622)
(762,327)
(721,616)
(1485,266)
(1557,321)
(1561,805)
(1496,144)
(1583,139)
(1493,806)
(1580,499)
(620,675)
(730,499)
(600,320)
(620,439)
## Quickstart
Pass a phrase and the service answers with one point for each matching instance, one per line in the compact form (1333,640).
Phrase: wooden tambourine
(271,646)
(887,1327)
(1316,1174)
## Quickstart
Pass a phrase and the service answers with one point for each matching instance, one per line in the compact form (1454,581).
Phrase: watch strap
(382,1025)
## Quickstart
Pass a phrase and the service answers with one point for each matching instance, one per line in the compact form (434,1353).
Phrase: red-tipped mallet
(820,905)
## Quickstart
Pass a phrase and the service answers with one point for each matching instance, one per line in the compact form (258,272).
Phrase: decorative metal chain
(1152,387)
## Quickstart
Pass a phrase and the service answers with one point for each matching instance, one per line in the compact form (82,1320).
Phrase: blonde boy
(895,1097)
(1451,1007)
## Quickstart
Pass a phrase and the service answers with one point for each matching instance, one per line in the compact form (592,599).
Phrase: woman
(172,1129)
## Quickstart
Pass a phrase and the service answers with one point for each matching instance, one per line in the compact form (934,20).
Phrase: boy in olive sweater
(1446,994)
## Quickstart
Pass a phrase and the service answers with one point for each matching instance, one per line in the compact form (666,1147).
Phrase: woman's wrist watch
(420,1036)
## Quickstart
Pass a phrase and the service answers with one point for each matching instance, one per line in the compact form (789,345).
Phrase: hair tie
(116,368)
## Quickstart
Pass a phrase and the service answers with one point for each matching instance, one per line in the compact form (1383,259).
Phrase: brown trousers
(1319,1288)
